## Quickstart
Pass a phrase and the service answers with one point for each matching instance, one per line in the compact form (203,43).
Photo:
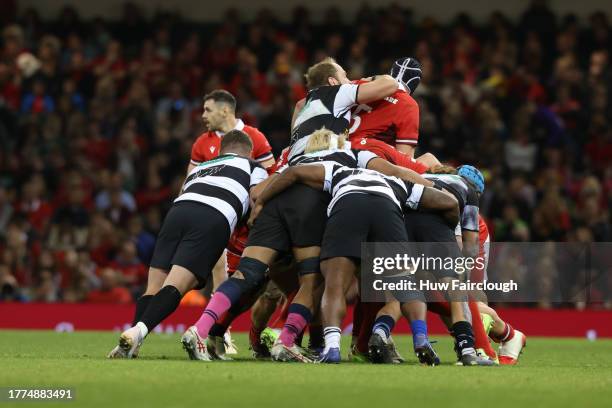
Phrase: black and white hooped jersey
(326,106)
(343,157)
(224,183)
(464,193)
(341,181)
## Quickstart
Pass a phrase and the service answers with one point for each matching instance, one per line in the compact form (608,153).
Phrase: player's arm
(309,174)
(459,236)
(312,175)
(429,159)
(405,148)
(256,190)
(469,227)
(384,167)
(470,243)
(379,88)
(266,164)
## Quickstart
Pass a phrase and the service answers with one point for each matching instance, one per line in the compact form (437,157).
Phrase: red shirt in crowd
(116,295)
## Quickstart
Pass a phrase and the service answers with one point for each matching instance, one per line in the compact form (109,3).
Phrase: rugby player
(219,117)
(390,127)
(348,227)
(466,187)
(511,340)
(214,198)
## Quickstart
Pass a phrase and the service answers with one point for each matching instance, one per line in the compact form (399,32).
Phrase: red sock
(441,308)
(507,334)
(254,335)
(481,341)
(357,317)
(370,310)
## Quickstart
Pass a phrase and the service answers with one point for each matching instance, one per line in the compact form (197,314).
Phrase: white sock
(143,329)
(332,338)
(381,333)
(468,350)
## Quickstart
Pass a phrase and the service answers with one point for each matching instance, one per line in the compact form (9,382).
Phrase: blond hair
(318,74)
(324,139)
(442,169)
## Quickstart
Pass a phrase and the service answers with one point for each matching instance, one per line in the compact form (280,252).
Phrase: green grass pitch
(552,373)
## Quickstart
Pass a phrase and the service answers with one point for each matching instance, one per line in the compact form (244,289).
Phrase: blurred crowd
(97,119)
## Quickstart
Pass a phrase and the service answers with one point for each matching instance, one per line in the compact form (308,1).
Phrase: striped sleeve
(364,157)
(258,175)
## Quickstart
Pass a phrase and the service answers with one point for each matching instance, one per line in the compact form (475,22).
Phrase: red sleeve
(262,150)
(283,159)
(389,153)
(408,124)
(197,156)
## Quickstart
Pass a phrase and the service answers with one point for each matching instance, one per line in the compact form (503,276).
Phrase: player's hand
(254,213)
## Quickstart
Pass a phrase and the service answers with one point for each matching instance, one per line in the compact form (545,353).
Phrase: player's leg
(481,340)
(219,272)
(266,238)
(251,272)
(189,251)
(303,305)
(511,341)
(261,338)
(163,304)
(155,282)
(379,342)
(338,274)
(364,316)
(283,283)
(438,242)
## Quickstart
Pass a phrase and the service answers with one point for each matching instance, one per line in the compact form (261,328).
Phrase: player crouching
(194,234)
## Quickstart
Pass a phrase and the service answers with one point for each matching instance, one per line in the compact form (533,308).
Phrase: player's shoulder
(203,137)
(405,97)
(253,132)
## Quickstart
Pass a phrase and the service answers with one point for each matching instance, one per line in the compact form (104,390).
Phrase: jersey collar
(239,126)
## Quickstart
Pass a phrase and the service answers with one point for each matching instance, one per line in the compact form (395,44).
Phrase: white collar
(239,126)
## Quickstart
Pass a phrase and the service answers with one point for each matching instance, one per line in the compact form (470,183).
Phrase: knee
(252,272)
(308,266)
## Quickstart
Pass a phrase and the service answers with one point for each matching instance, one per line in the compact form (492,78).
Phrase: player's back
(393,120)
(223,183)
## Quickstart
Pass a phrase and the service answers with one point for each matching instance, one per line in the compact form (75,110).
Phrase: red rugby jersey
(207,145)
(484,243)
(393,120)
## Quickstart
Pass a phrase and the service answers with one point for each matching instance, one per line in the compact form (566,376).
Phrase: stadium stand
(98,118)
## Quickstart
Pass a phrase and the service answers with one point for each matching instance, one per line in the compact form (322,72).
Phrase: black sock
(299,338)
(218,330)
(141,305)
(464,336)
(161,306)
(316,339)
